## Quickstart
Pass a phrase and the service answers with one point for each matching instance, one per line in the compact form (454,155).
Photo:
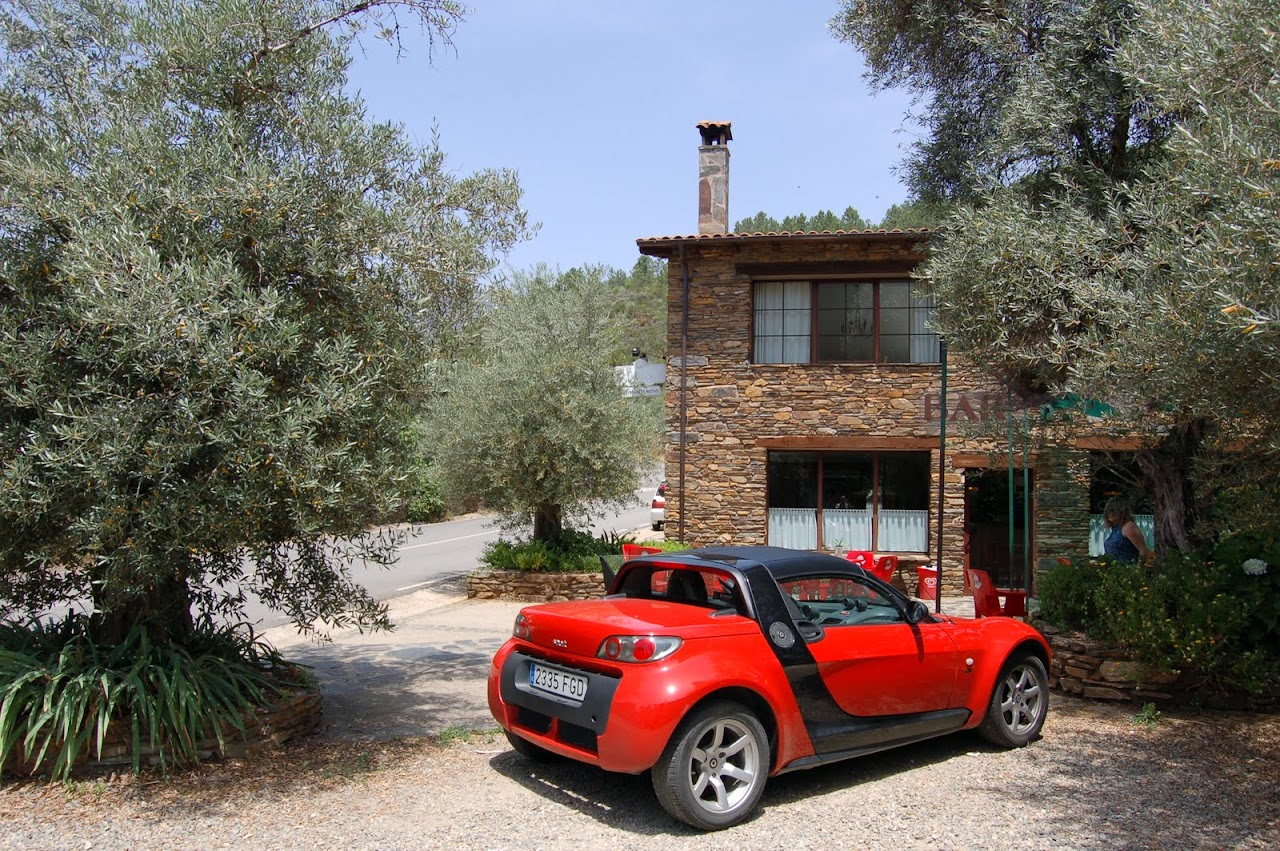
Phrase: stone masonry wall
(735,408)
(1092,669)
(533,587)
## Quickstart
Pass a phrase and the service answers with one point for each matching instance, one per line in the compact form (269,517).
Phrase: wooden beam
(832,268)
(847,443)
(1111,444)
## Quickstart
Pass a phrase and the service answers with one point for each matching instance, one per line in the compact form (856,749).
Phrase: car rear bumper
(607,728)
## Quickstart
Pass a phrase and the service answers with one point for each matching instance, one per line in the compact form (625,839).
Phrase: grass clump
(62,693)
(570,552)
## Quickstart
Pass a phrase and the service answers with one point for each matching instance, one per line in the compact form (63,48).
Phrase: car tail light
(521,629)
(658,502)
(637,648)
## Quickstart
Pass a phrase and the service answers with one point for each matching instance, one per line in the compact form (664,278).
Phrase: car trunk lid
(579,627)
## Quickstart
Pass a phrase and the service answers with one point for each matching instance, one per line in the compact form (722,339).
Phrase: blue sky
(594,103)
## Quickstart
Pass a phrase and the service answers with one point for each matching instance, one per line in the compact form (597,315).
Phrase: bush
(571,552)
(1214,615)
(1068,593)
(423,503)
(61,692)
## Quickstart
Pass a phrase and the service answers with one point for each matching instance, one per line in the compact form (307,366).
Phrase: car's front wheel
(1019,702)
(713,771)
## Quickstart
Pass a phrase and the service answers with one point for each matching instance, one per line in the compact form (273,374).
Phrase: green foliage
(61,693)
(1119,215)
(219,284)
(1068,593)
(1213,614)
(915,214)
(570,551)
(1148,717)
(537,427)
(667,546)
(423,503)
(639,308)
(762,222)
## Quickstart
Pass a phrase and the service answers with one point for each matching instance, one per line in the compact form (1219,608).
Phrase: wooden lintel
(830,268)
(847,443)
(1111,444)
(973,460)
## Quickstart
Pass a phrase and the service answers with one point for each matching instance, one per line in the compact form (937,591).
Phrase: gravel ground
(1095,780)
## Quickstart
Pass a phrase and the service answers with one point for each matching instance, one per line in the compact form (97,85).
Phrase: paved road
(438,551)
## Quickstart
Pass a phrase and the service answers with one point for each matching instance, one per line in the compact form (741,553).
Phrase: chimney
(713,177)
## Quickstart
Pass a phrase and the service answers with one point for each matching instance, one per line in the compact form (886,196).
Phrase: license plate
(558,682)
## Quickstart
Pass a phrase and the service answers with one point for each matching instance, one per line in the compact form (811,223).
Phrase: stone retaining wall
(526,587)
(1092,669)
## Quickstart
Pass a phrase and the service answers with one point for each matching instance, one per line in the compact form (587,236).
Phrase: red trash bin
(927,584)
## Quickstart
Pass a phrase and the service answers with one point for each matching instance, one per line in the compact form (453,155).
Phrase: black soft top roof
(782,563)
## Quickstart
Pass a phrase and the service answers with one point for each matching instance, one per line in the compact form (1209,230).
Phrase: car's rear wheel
(529,750)
(713,771)
(1019,702)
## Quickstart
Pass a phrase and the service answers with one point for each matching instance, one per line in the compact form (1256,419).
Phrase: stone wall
(525,587)
(1092,669)
(736,411)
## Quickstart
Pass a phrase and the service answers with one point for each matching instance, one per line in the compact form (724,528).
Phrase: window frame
(816,314)
(876,498)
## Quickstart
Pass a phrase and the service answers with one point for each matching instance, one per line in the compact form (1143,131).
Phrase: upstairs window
(843,321)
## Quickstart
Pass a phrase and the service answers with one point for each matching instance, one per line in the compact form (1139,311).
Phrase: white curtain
(903,531)
(795,528)
(924,342)
(846,529)
(782,322)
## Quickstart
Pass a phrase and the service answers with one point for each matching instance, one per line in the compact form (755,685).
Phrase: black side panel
(900,731)
(832,730)
(592,713)
(856,734)
(818,707)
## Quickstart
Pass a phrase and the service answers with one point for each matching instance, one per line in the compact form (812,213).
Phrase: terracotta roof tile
(704,237)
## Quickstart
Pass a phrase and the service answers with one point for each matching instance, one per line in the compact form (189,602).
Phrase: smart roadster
(715,669)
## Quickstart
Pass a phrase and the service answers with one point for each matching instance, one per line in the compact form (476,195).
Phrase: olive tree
(1110,160)
(219,282)
(536,426)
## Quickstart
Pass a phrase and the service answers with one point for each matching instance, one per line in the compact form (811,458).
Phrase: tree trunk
(164,606)
(1168,467)
(548,522)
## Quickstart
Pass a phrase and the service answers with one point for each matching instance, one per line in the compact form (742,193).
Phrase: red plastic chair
(986,598)
(861,558)
(633,550)
(885,567)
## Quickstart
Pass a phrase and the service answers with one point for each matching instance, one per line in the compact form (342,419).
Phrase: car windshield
(697,587)
(840,600)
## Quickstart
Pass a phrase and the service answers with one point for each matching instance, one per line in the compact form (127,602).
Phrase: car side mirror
(917,612)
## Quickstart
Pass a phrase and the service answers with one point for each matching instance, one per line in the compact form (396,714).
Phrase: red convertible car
(715,669)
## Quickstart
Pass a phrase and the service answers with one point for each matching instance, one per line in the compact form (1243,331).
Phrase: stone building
(804,406)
